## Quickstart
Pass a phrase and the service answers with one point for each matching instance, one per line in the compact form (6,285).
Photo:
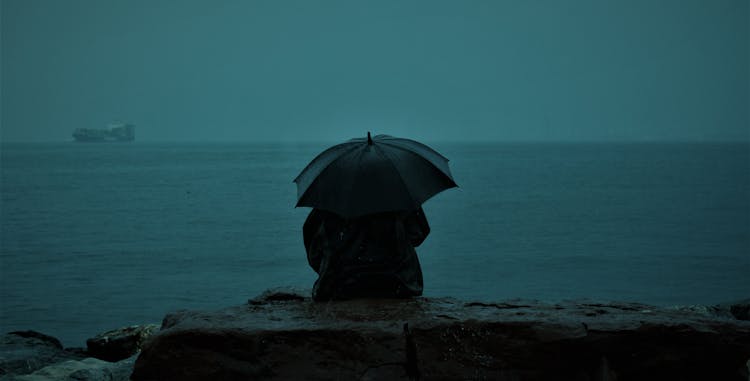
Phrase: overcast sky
(329,70)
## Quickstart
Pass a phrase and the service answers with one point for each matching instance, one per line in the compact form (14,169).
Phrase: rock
(715,311)
(741,310)
(281,294)
(120,343)
(446,339)
(34,335)
(89,369)
(122,370)
(24,352)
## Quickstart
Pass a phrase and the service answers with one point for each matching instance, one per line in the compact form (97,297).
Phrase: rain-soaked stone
(292,337)
(23,352)
(740,309)
(121,343)
(280,294)
(88,369)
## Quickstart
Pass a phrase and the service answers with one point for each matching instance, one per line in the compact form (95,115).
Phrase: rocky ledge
(284,335)
(34,356)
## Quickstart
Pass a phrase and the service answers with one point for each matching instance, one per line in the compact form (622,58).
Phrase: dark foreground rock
(121,343)
(88,369)
(739,309)
(24,352)
(290,337)
(34,356)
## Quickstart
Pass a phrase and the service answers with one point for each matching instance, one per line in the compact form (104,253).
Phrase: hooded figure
(367,256)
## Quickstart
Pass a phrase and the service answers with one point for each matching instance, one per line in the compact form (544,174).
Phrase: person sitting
(367,256)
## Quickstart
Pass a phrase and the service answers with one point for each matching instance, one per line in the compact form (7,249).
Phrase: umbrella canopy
(370,175)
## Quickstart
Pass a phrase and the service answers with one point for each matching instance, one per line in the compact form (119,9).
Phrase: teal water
(97,236)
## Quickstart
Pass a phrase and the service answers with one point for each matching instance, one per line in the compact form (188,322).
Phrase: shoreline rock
(282,334)
(24,352)
(287,336)
(87,369)
(34,356)
(121,343)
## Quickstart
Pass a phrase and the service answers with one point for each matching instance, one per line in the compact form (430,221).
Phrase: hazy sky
(330,70)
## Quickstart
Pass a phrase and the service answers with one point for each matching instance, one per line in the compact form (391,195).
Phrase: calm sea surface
(98,236)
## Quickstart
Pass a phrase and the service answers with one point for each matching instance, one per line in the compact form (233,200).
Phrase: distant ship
(115,132)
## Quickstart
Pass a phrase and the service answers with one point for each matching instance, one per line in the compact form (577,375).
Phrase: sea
(99,236)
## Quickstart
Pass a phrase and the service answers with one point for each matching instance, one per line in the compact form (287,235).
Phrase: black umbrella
(380,174)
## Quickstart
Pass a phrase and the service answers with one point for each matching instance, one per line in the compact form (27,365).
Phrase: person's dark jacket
(368,256)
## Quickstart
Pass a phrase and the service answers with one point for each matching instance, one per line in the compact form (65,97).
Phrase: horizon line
(438,140)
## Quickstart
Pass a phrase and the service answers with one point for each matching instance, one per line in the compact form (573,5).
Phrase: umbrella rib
(449,174)
(391,142)
(354,179)
(344,153)
(320,155)
(395,168)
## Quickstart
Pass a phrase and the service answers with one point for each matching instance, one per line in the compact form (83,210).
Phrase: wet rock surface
(88,369)
(24,352)
(34,356)
(121,343)
(288,336)
(740,309)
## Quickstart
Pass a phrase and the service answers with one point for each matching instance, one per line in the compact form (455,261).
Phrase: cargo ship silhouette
(115,132)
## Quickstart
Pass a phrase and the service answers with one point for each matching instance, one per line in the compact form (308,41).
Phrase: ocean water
(98,236)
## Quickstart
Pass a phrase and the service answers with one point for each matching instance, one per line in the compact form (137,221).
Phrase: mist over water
(296,70)
(97,236)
